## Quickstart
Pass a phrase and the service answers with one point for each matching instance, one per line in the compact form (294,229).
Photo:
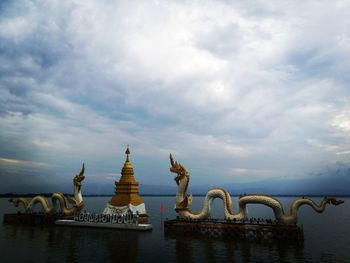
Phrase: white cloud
(264,86)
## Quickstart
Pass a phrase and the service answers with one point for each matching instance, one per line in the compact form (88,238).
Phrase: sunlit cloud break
(15,162)
(237,91)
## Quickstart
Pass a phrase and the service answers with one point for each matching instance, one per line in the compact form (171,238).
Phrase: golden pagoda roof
(127,189)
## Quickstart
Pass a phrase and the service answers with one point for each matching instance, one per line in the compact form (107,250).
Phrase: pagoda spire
(127,152)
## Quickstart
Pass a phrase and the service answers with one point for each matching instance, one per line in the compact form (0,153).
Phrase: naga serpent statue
(183,201)
(76,203)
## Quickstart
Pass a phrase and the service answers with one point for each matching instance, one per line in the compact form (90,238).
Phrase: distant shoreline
(9,195)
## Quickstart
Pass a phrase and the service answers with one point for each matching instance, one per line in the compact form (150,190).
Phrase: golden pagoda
(126,193)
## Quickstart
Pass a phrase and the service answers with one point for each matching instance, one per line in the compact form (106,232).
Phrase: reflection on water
(190,249)
(84,245)
(73,244)
(326,240)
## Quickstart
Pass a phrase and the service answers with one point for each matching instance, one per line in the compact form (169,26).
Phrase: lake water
(327,238)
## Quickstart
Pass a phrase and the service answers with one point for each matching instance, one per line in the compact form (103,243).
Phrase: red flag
(162,208)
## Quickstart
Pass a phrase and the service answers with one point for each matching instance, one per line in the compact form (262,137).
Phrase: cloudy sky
(238,91)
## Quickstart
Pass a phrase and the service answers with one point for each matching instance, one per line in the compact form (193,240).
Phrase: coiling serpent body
(183,201)
(76,202)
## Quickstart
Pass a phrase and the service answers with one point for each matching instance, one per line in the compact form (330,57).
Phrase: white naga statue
(183,201)
(67,205)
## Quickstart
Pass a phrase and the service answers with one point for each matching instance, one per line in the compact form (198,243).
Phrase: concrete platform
(137,227)
(231,230)
(33,219)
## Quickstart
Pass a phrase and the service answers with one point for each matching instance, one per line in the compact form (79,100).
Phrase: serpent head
(182,179)
(79,177)
(333,201)
(178,169)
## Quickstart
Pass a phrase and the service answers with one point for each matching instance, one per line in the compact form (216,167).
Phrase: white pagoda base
(122,210)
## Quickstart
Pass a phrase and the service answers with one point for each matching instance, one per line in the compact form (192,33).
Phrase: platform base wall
(258,232)
(33,219)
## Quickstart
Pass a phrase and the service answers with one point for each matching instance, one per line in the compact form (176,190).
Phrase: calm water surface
(327,239)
